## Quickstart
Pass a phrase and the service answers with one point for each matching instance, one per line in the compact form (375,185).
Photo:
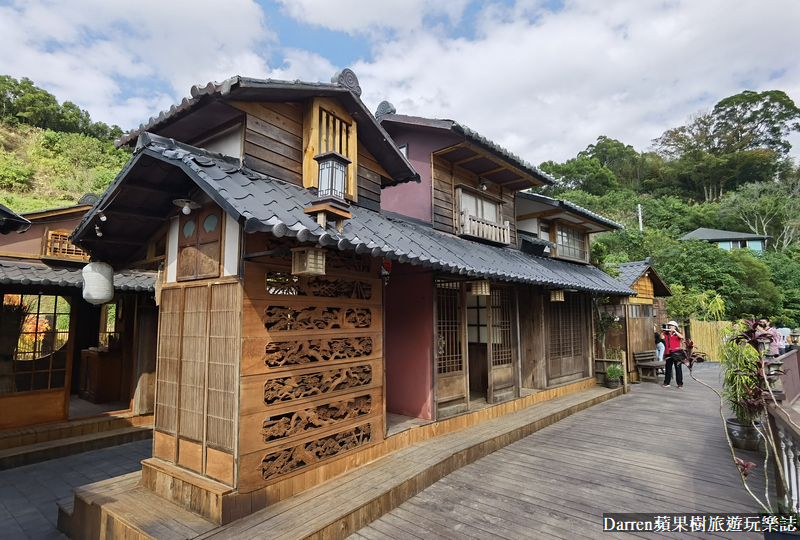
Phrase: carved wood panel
(278,318)
(305,351)
(311,453)
(311,384)
(311,371)
(286,425)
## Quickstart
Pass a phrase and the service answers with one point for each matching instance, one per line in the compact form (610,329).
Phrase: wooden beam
(467,159)
(146,189)
(545,214)
(493,171)
(133,213)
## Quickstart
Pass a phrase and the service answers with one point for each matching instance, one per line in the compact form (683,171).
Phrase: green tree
(584,173)
(752,120)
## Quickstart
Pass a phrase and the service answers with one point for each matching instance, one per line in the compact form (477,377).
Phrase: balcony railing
(470,225)
(785,421)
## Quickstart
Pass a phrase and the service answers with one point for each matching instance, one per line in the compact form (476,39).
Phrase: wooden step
(11,438)
(121,508)
(44,451)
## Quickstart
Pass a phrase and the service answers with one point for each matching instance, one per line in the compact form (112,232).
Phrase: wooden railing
(470,225)
(785,419)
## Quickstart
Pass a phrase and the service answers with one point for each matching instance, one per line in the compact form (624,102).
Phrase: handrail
(784,420)
(481,228)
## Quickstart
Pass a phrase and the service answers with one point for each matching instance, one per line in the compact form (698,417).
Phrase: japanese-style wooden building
(637,321)
(69,359)
(326,269)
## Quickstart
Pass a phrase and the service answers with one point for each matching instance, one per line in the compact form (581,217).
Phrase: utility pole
(639,209)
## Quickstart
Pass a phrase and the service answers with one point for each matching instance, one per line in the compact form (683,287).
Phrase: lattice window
(169,336)
(222,377)
(36,328)
(476,319)
(571,242)
(58,245)
(502,337)
(193,353)
(448,326)
(566,330)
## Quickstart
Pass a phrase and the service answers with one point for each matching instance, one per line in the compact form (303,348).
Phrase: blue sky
(544,78)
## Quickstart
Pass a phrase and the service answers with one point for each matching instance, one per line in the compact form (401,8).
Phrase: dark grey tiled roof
(717,234)
(630,272)
(23,273)
(269,205)
(570,207)
(11,222)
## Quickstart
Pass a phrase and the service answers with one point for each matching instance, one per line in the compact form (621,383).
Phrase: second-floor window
(571,243)
(58,245)
(480,208)
(481,217)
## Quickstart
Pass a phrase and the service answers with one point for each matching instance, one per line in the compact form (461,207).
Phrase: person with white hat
(672,342)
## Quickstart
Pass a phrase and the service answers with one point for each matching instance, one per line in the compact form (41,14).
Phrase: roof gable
(712,235)
(629,274)
(208,106)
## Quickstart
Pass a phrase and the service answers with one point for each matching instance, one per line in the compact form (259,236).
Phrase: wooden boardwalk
(655,450)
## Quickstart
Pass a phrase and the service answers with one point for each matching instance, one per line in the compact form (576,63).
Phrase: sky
(544,78)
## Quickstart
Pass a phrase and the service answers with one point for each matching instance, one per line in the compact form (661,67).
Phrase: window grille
(566,331)
(58,245)
(448,325)
(571,243)
(502,345)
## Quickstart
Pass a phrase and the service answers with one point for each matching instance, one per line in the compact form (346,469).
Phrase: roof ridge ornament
(347,79)
(385,108)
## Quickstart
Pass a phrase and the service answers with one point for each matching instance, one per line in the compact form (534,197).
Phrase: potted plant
(743,391)
(614,375)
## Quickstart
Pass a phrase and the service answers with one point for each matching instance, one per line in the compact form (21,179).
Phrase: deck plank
(654,450)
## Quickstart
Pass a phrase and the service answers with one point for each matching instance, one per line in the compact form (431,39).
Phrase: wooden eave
(485,165)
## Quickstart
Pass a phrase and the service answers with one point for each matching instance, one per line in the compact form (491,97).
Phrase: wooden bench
(647,365)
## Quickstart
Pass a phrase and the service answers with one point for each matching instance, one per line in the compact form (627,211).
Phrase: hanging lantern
(98,283)
(308,261)
(332,174)
(557,295)
(481,288)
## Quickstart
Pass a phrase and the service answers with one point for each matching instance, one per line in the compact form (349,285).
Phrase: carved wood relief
(311,384)
(286,425)
(279,318)
(310,453)
(289,353)
(284,283)
(348,260)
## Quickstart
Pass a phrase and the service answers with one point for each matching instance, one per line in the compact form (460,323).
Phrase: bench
(647,365)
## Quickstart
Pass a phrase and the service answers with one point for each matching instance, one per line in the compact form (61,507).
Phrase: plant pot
(743,436)
(613,383)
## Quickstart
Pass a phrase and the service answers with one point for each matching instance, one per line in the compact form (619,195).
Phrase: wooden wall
(568,325)
(533,350)
(312,366)
(446,177)
(273,145)
(198,352)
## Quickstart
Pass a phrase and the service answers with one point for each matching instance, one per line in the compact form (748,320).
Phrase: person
(784,331)
(773,349)
(659,346)
(672,344)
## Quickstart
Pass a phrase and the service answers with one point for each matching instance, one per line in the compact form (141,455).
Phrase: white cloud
(86,51)
(369,16)
(543,83)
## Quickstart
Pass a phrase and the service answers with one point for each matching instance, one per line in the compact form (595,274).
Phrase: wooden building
(297,313)
(61,357)
(637,317)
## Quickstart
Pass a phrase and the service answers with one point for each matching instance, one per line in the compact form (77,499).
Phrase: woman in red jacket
(672,343)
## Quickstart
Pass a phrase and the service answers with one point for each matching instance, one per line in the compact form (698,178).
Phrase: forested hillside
(51,154)
(727,168)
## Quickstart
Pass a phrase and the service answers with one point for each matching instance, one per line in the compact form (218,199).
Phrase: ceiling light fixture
(484,185)
(186,205)
(97,231)
(101,215)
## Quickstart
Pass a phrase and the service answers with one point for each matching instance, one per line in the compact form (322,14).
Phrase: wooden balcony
(469,225)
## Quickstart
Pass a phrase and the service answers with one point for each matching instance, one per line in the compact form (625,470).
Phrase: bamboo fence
(707,337)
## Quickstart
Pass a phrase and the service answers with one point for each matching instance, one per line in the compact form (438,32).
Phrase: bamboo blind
(167,372)
(502,345)
(222,376)
(193,352)
(565,328)
(448,325)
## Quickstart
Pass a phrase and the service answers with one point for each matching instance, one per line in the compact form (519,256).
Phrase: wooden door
(450,345)
(567,344)
(500,345)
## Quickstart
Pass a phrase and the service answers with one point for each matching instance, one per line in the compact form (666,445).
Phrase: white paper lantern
(98,283)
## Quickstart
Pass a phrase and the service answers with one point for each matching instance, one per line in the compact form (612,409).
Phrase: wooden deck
(655,450)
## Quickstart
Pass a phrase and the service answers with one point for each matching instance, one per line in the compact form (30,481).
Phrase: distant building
(729,239)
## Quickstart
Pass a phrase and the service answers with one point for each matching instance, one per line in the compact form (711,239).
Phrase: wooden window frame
(316,142)
(200,238)
(555,236)
(48,242)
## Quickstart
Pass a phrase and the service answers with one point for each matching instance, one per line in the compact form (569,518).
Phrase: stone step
(44,451)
